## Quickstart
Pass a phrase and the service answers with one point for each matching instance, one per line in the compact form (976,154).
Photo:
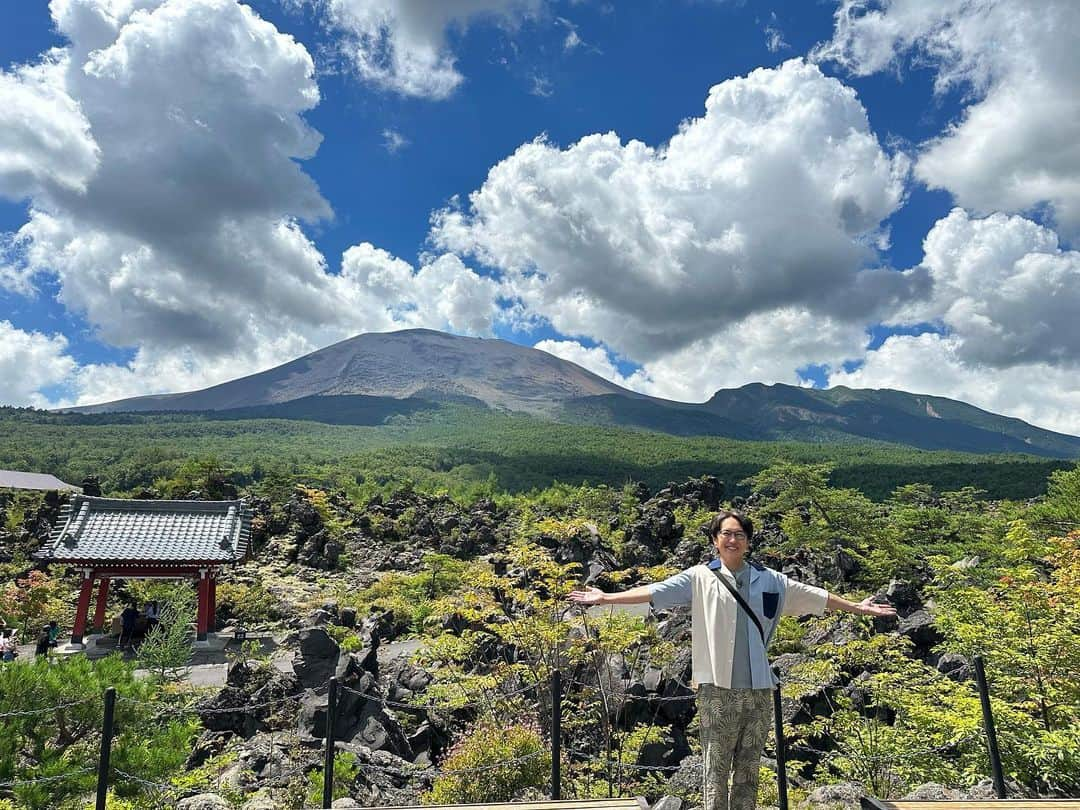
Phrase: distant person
(42,645)
(129,617)
(54,633)
(729,641)
(153,615)
(9,646)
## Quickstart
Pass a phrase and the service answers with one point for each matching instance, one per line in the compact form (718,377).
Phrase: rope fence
(614,692)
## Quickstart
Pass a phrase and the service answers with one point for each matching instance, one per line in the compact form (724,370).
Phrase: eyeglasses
(727,534)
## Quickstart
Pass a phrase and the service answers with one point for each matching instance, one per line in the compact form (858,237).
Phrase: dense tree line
(465,450)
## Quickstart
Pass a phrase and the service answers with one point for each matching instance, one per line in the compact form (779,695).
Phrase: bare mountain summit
(419,363)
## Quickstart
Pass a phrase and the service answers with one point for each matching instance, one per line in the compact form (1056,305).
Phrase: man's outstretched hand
(589,596)
(868,607)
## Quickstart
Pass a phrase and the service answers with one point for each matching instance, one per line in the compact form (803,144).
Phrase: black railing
(106,771)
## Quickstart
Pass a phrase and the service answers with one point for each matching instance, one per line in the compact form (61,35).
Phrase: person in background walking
(729,640)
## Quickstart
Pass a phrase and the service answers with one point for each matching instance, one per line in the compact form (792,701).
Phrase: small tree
(167,650)
(33,600)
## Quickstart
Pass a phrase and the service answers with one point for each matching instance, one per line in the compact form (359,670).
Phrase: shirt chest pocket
(770,603)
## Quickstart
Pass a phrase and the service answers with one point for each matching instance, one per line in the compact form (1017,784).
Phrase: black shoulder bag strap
(743,604)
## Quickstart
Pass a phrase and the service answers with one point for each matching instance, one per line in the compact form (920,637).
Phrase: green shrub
(346,769)
(409,597)
(249,604)
(488,745)
(150,740)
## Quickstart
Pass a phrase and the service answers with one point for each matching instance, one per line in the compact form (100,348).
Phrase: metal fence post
(106,748)
(328,763)
(781,754)
(988,724)
(556,734)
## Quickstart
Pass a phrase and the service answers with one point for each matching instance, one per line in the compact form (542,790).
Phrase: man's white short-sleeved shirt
(714,613)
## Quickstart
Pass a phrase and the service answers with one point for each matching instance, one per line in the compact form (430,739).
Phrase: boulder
(919,628)
(904,596)
(260,801)
(227,711)
(320,617)
(932,792)
(203,801)
(209,744)
(953,666)
(983,791)
(841,796)
(351,704)
(668,803)
(380,730)
(317,657)
(686,782)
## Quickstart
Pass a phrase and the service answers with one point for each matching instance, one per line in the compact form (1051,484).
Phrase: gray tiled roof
(117,530)
(14,479)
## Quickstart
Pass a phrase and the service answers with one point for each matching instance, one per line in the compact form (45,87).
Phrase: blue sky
(194,191)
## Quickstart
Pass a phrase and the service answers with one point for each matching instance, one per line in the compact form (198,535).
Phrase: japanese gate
(116,538)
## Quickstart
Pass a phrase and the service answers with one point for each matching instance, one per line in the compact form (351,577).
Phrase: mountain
(780,412)
(367,378)
(414,363)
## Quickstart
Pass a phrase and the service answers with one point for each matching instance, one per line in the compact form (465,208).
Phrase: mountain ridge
(378,374)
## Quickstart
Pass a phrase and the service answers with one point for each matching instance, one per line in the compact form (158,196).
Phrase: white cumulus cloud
(44,138)
(1017,144)
(595,359)
(30,361)
(401,45)
(768,205)
(1005,296)
(178,229)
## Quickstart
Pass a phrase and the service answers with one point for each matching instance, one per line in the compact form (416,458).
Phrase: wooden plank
(634,802)
(996,804)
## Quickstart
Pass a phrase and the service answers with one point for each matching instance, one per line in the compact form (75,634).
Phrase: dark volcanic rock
(954,666)
(227,711)
(380,730)
(904,596)
(317,658)
(919,628)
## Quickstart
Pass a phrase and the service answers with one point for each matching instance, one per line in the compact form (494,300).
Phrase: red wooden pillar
(204,605)
(99,607)
(87,589)
(211,623)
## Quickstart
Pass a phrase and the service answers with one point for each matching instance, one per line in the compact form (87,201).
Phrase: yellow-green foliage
(1021,613)
(335,524)
(346,637)
(788,637)
(693,521)
(410,597)
(250,604)
(33,601)
(488,745)
(204,779)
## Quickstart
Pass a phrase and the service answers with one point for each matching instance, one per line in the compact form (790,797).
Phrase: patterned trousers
(734,727)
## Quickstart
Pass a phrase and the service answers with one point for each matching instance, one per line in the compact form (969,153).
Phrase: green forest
(466,450)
